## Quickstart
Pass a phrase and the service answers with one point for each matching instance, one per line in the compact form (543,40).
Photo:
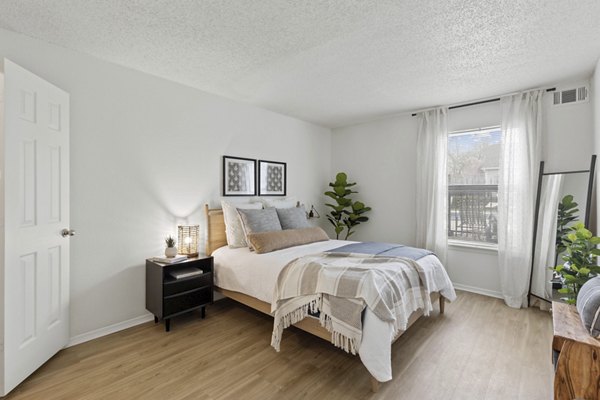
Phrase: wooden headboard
(215,236)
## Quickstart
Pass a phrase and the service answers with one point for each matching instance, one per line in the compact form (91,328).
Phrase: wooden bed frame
(216,238)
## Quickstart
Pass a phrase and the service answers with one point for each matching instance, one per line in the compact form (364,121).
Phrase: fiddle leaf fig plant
(567,213)
(580,261)
(346,213)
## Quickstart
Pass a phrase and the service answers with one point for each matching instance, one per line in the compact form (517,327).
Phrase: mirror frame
(586,222)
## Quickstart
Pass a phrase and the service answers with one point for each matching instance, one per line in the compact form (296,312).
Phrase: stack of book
(169,260)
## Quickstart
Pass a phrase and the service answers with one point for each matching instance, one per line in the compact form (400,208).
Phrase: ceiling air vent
(571,96)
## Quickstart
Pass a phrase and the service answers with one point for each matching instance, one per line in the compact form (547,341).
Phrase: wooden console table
(577,367)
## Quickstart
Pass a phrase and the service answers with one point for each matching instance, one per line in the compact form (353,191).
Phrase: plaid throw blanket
(339,287)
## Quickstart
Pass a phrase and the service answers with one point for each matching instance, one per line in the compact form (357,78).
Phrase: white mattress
(256,275)
(244,271)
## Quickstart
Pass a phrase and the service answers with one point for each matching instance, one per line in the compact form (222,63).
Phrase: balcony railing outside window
(472,213)
(473,171)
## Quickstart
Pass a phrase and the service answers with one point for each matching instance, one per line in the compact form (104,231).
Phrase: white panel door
(36,263)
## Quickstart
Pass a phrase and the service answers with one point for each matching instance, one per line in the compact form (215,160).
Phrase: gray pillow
(588,305)
(236,237)
(292,218)
(259,220)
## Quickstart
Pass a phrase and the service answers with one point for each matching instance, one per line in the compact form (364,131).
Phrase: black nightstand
(167,297)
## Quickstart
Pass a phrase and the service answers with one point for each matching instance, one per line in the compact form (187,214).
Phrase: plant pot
(170,252)
(556,282)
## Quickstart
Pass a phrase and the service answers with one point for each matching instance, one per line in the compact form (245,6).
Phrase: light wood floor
(480,349)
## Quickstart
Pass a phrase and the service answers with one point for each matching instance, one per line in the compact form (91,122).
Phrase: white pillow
(286,202)
(236,237)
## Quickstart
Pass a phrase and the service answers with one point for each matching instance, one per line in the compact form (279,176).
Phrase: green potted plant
(171,250)
(346,213)
(566,214)
(580,261)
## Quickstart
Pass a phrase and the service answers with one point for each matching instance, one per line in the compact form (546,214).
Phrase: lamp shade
(187,242)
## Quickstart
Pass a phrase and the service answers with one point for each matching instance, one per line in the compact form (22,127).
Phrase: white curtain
(545,246)
(519,163)
(432,188)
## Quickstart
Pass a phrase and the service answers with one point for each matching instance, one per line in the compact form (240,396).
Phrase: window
(473,163)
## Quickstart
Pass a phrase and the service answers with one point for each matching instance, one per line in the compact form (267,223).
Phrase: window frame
(468,244)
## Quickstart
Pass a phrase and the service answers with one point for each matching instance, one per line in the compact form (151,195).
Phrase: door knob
(67,232)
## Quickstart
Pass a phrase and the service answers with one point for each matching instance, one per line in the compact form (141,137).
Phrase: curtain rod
(481,102)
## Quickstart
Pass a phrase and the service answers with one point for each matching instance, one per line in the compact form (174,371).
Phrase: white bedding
(255,275)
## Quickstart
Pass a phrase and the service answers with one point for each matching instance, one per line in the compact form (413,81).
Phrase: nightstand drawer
(172,287)
(187,300)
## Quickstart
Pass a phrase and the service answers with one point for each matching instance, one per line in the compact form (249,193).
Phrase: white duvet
(255,275)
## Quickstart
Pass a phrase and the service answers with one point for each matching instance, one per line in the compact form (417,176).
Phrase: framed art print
(239,176)
(272,178)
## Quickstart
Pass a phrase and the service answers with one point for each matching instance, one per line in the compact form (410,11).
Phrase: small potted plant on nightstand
(171,250)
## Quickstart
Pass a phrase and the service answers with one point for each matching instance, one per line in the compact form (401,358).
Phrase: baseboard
(473,289)
(107,330)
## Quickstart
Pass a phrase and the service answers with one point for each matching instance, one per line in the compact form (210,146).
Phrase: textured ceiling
(331,62)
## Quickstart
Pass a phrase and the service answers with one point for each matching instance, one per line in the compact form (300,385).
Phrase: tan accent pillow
(266,242)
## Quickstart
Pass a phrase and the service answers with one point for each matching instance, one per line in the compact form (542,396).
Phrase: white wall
(595,100)
(568,132)
(2,216)
(146,154)
(381,157)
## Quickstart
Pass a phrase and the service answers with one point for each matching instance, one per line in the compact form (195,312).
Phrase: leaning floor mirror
(562,199)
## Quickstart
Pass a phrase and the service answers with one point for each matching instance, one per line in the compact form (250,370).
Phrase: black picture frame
(272,178)
(239,176)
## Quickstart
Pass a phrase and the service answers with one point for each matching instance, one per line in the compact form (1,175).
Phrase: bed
(250,279)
